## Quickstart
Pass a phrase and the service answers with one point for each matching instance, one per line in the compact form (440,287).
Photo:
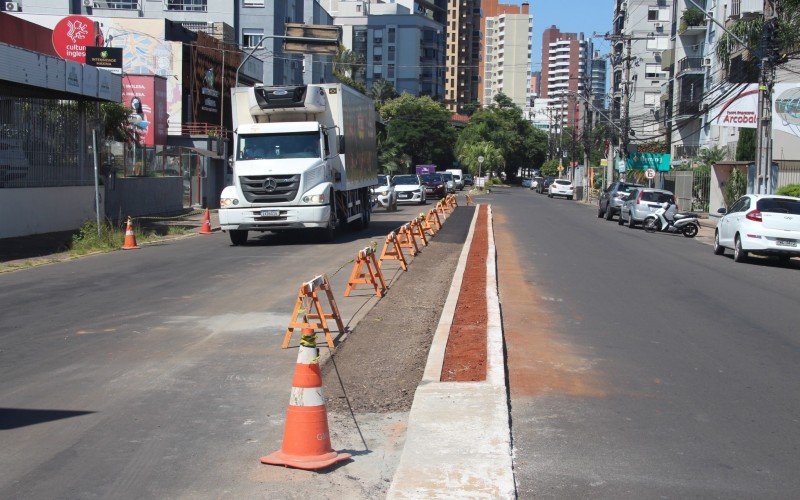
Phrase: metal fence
(691,188)
(43,143)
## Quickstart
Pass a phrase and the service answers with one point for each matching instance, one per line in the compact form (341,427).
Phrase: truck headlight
(228,202)
(315,199)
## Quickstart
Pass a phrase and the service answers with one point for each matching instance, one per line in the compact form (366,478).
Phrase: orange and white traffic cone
(130,237)
(206,227)
(306,441)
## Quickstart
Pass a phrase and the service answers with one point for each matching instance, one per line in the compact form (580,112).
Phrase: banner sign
(642,161)
(739,109)
(146,95)
(108,58)
(71,36)
(786,108)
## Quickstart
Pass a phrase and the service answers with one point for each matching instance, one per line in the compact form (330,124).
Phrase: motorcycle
(684,223)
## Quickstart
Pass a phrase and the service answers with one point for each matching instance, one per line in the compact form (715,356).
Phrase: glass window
(251,36)
(391,35)
(652,14)
(651,99)
(188,5)
(274,146)
(779,205)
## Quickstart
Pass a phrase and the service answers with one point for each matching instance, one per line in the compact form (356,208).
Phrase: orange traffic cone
(130,237)
(206,227)
(306,441)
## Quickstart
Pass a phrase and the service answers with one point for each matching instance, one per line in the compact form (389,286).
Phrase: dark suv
(543,185)
(612,198)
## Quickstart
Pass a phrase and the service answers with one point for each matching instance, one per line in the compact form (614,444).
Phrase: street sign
(560,168)
(650,173)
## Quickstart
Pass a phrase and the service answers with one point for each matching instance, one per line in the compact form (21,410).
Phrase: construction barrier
(130,237)
(442,210)
(309,307)
(306,437)
(418,231)
(429,227)
(366,272)
(433,220)
(469,199)
(393,251)
(406,238)
(205,228)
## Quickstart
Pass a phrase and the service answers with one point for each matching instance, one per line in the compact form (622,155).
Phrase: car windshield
(657,197)
(274,146)
(405,180)
(431,178)
(779,205)
(382,180)
(626,188)
(448,177)
(563,182)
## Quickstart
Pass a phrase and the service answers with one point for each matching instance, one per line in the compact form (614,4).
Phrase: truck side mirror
(341,144)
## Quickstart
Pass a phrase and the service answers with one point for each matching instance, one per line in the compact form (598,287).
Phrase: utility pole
(587,131)
(763,184)
(626,108)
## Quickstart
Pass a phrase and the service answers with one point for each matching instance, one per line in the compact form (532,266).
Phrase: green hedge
(789,190)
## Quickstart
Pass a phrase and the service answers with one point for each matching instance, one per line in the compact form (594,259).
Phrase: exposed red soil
(465,354)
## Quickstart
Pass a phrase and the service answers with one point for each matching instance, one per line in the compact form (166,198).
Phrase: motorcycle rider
(670,210)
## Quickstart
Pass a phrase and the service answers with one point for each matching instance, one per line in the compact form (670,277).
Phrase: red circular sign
(71,36)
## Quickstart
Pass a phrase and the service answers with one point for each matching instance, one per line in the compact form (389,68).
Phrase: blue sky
(571,16)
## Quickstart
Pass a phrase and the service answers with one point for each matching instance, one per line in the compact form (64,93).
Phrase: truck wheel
(328,233)
(238,237)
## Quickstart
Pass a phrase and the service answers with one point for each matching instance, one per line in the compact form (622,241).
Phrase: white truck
(304,158)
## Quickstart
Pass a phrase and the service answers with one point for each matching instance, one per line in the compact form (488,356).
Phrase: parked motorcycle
(684,223)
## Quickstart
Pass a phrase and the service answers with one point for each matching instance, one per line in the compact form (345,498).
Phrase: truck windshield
(273,146)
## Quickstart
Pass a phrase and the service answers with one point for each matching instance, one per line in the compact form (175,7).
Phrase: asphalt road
(642,365)
(158,372)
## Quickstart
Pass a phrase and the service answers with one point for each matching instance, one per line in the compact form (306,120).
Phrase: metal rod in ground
(347,399)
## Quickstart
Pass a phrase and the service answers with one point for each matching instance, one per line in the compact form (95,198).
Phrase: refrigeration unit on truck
(304,158)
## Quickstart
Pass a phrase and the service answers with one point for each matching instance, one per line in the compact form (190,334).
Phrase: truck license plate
(786,243)
(270,213)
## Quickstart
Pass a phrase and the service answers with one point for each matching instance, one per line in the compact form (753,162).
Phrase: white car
(561,187)
(385,193)
(409,189)
(761,225)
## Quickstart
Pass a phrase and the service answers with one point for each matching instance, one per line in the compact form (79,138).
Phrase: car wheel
(690,231)
(620,221)
(600,212)
(549,195)
(718,249)
(784,260)
(609,213)
(631,223)
(238,237)
(739,255)
(570,197)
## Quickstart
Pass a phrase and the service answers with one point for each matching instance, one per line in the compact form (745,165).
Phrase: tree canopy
(420,129)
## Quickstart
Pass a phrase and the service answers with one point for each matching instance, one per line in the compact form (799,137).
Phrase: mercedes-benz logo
(270,184)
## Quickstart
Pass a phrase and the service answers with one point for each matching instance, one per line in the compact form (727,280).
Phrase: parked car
(410,189)
(544,185)
(434,185)
(561,187)
(641,203)
(612,198)
(457,177)
(468,181)
(761,225)
(526,183)
(536,182)
(450,181)
(385,193)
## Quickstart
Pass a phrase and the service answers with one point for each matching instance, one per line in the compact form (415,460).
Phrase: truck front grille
(270,188)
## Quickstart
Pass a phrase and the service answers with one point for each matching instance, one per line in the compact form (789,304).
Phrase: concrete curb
(458,443)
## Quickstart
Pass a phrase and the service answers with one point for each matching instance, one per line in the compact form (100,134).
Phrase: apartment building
(463,54)
(506,54)
(396,44)
(599,74)
(645,26)
(566,62)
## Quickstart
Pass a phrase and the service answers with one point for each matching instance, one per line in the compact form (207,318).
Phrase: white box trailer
(304,158)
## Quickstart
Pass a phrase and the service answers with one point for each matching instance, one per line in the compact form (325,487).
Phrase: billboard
(146,95)
(738,107)
(786,108)
(71,36)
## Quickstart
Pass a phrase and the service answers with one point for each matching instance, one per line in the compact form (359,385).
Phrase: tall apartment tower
(645,25)
(565,64)
(463,55)
(506,56)
(598,79)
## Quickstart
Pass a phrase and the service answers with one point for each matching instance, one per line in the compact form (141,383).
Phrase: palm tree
(382,91)
(492,157)
(346,62)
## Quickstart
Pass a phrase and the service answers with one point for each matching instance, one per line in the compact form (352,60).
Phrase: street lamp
(480,164)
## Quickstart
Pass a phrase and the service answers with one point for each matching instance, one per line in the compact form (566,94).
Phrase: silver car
(642,202)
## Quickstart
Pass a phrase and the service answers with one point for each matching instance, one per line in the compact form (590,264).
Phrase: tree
(492,157)
(549,168)
(348,68)
(503,101)
(736,187)
(521,144)
(746,146)
(470,108)
(420,128)
(392,160)
(382,90)
(114,122)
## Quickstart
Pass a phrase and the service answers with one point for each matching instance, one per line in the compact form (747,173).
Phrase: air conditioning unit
(13,7)
(707,62)
(659,25)
(88,3)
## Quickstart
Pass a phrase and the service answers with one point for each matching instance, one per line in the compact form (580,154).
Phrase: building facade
(463,54)
(506,53)
(566,62)
(396,45)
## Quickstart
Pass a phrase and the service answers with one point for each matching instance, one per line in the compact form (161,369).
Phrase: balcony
(692,22)
(690,66)
(687,108)
(186,5)
(745,8)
